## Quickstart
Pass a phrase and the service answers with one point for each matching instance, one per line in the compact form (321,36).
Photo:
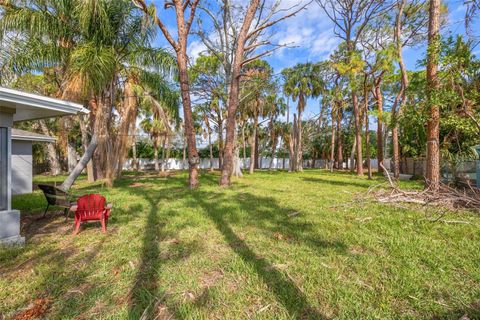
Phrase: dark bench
(57,197)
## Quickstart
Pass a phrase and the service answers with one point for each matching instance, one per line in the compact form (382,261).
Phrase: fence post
(477,148)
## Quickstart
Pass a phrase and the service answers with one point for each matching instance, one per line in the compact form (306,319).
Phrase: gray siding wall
(21,167)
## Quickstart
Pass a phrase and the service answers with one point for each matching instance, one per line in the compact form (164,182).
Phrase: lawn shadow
(286,222)
(469,311)
(287,293)
(350,183)
(146,299)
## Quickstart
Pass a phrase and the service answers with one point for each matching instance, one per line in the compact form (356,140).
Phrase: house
(22,159)
(17,106)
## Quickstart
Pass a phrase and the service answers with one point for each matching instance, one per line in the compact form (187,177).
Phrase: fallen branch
(447,197)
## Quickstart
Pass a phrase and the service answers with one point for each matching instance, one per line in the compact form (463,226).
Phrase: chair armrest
(74,208)
(109,206)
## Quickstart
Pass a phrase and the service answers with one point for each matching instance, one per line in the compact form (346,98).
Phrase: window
(3,168)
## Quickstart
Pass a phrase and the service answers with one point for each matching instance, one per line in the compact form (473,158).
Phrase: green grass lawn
(274,246)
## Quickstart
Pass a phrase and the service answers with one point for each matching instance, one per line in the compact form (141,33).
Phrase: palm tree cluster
(99,53)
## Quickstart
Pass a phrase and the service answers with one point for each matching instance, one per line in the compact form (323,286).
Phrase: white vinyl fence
(264,163)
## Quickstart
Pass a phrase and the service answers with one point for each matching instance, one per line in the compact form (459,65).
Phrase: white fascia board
(34,100)
(33,139)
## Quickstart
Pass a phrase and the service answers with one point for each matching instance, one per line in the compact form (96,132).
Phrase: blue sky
(310,33)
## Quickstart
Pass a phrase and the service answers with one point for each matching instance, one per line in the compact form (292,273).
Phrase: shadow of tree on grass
(287,293)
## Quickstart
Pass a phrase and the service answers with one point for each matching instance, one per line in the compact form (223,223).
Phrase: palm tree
(257,85)
(301,82)
(98,51)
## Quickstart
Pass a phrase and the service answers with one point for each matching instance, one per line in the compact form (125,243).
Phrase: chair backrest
(55,196)
(91,205)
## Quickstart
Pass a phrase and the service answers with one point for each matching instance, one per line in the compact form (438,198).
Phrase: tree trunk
(244,145)
(379,96)
(127,125)
(134,149)
(400,98)
(184,155)
(291,154)
(237,168)
(99,128)
(288,122)
(339,138)
(83,129)
(294,139)
(210,146)
(252,152)
(274,150)
(233,98)
(256,153)
(71,156)
(220,141)
(432,177)
(155,154)
(367,138)
(352,154)
(87,156)
(358,134)
(193,159)
(51,151)
(332,143)
(299,151)
(167,156)
(164,143)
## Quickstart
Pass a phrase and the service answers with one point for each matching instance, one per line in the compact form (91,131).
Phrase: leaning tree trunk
(87,156)
(432,177)
(98,136)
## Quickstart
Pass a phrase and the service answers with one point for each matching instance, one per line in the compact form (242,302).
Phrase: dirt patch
(356,250)
(210,278)
(37,309)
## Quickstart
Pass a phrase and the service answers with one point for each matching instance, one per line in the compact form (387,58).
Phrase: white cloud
(194,50)
(310,32)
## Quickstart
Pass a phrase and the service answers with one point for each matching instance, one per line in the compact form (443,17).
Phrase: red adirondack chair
(91,207)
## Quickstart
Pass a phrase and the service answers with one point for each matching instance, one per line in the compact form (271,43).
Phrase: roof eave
(15,96)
